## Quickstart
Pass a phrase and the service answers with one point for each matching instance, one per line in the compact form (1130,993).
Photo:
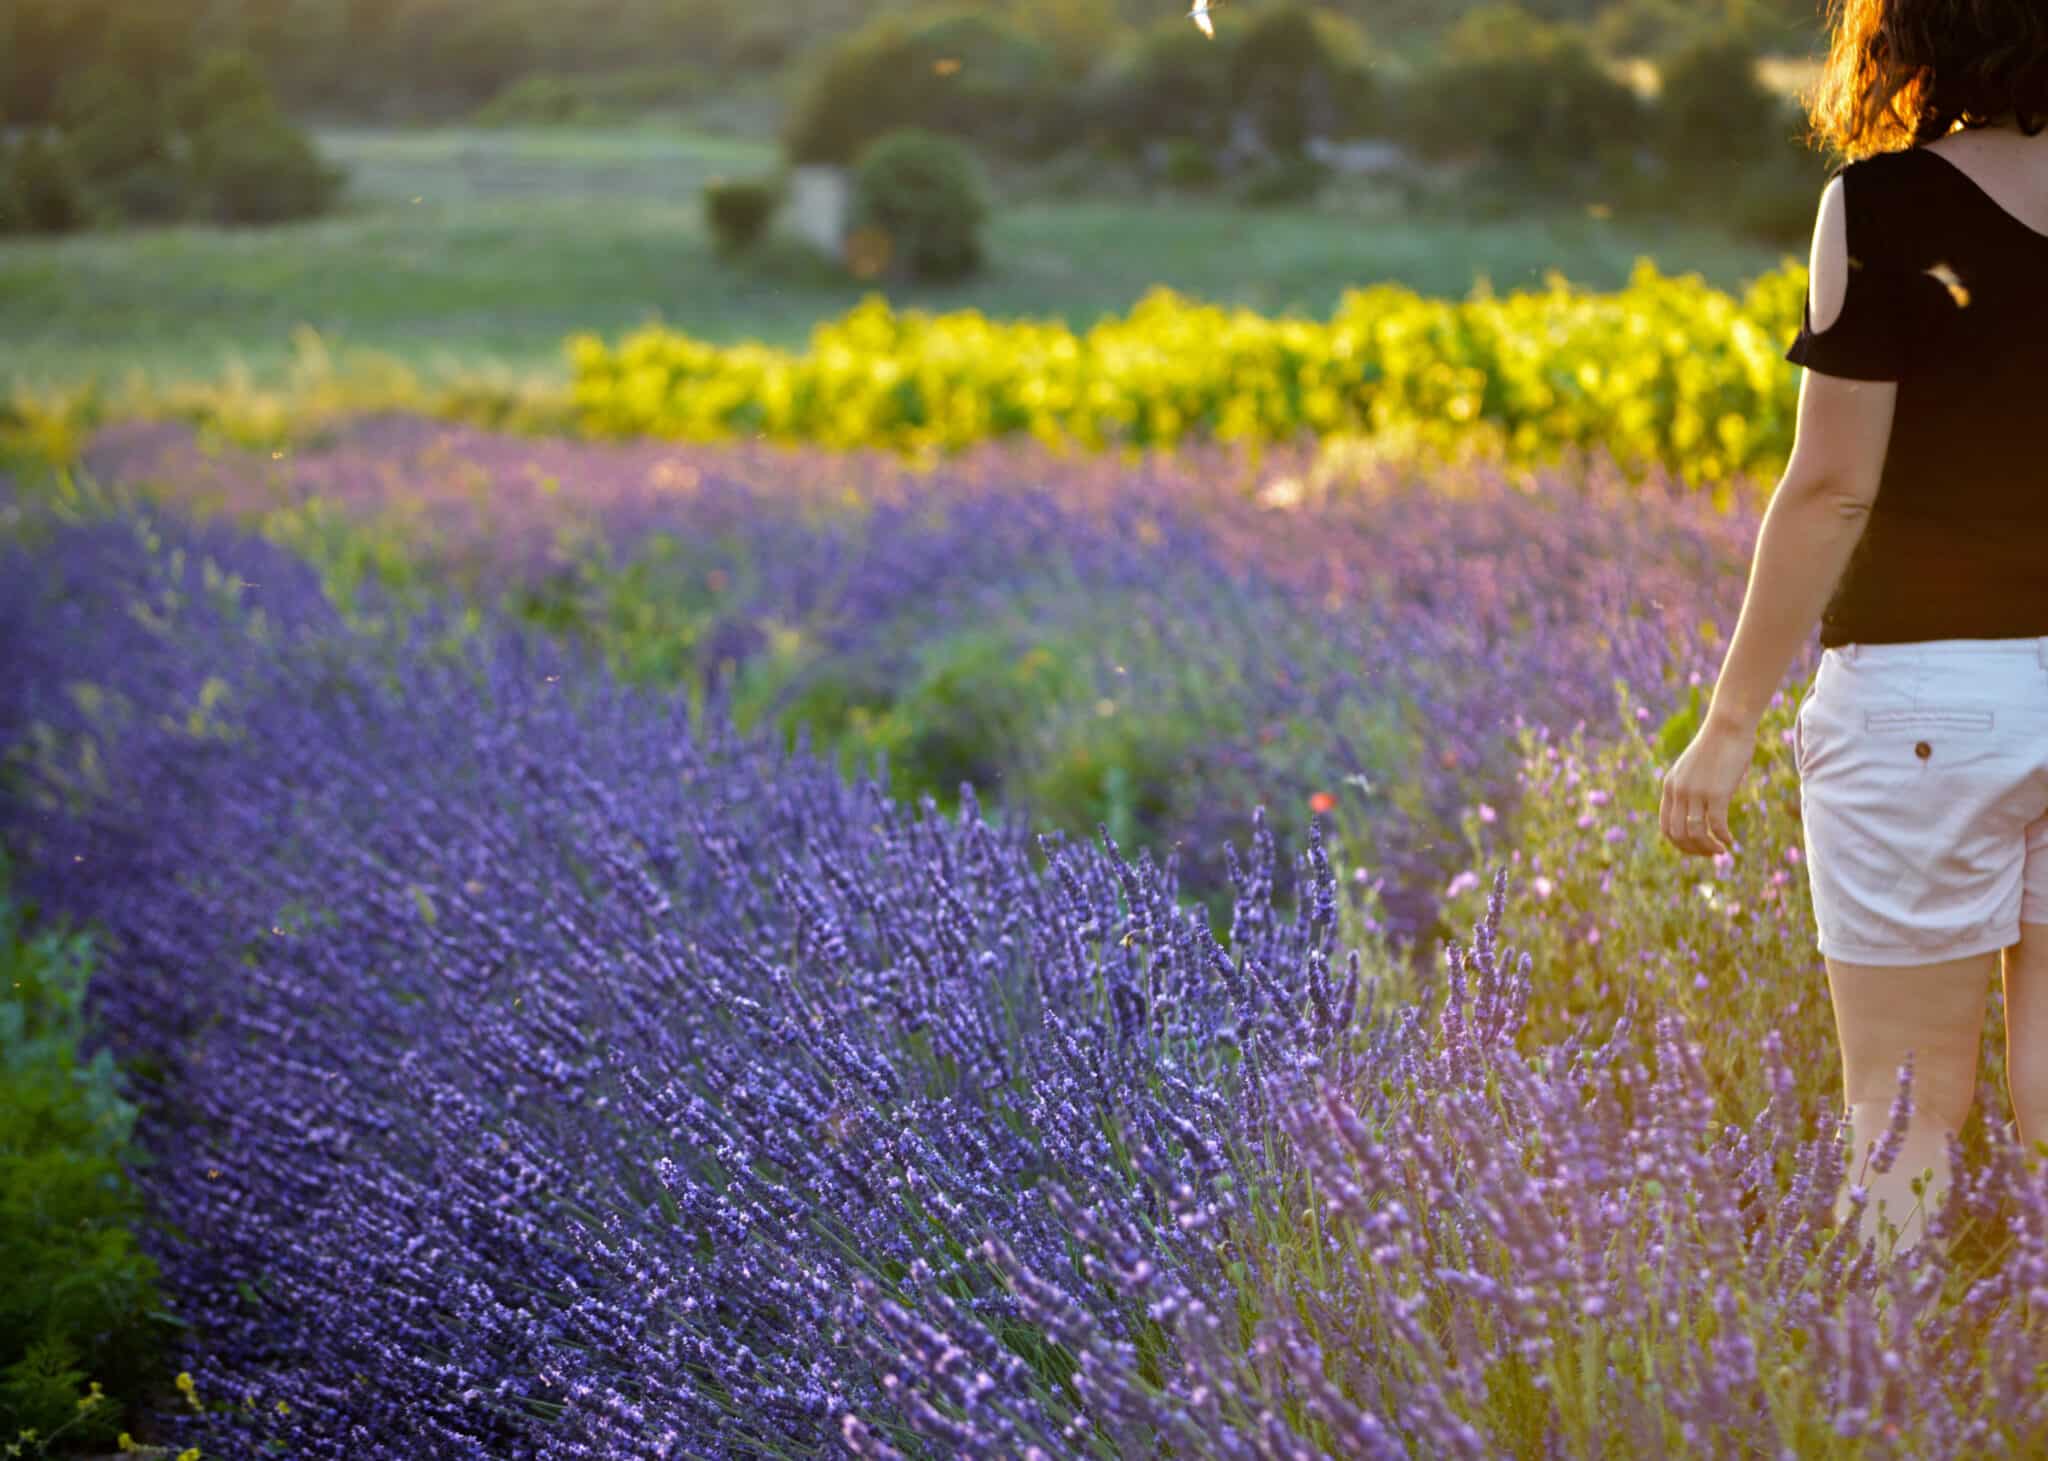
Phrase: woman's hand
(1700,786)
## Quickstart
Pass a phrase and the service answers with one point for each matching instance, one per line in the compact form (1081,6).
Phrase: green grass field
(460,249)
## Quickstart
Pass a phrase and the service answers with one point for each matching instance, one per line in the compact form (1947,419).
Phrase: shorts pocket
(1914,717)
(1929,746)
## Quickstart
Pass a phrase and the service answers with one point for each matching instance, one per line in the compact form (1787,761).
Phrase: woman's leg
(1881,1012)
(2026,1034)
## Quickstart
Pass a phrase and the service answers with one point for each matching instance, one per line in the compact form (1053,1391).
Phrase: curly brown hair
(1903,72)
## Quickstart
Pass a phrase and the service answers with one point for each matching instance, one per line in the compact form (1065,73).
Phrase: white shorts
(1923,787)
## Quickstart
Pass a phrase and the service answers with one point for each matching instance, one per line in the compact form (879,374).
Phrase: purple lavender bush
(535,1070)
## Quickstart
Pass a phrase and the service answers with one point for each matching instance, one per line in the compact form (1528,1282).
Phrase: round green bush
(45,192)
(737,211)
(254,166)
(924,195)
(960,71)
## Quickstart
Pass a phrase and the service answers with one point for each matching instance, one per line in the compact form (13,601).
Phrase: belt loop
(1849,651)
(2041,649)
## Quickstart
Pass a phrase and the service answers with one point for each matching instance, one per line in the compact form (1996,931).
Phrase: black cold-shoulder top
(1948,296)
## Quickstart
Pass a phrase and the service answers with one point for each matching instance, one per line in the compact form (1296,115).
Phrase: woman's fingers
(1693,823)
(1717,818)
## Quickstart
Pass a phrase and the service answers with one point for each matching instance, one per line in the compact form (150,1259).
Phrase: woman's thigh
(1934,1012)
(2026,1028)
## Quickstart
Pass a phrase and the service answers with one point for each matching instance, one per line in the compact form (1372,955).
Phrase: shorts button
(1923,750)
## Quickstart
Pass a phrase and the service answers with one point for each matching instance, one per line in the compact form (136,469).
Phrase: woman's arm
(1815,517)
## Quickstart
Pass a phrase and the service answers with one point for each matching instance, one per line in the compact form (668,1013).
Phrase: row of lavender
(1159,646)
(538,1072)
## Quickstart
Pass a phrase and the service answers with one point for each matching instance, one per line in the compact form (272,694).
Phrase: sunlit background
(461,183)
(741,728)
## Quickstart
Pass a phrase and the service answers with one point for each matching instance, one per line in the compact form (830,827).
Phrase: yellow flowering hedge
(1668,370)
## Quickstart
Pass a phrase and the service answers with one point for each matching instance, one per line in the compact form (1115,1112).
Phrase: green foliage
(737,210)
(148,148)
(1528,95)
(43,43)
(51,1400)
(1076,31)
(1660,28)
(538,100)
(1500,31)
(114,128)
(963,72)
(44,192)
(1732,151)
(155,192)
(1283,181)
(1775,202)
(1167,82)
(1300,73)
(124,139)
(976,701)
(1667,371)
(1652,28)
(470,53)
(76,1294)
(924,194)
(1189,164)
(226,84)
(1713,114)
(256,167)
(1121,770)
(552,100)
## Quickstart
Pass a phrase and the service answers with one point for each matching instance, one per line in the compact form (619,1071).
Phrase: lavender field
(653,951)
(1158,646)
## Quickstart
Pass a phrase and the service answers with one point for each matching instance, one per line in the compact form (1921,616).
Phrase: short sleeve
(1867,339)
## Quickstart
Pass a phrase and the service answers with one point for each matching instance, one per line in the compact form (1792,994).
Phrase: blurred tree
(1300,73)
(1526,92)
(226,83)
(952,69)
(1500,30)
(1165,82)
(41,191)
(118,132)
(43,42)
(1077,31)
(1712,111)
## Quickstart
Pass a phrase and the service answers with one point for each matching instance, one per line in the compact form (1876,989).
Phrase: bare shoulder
(1828,265)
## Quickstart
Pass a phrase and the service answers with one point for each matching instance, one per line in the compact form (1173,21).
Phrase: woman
(1913,519)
